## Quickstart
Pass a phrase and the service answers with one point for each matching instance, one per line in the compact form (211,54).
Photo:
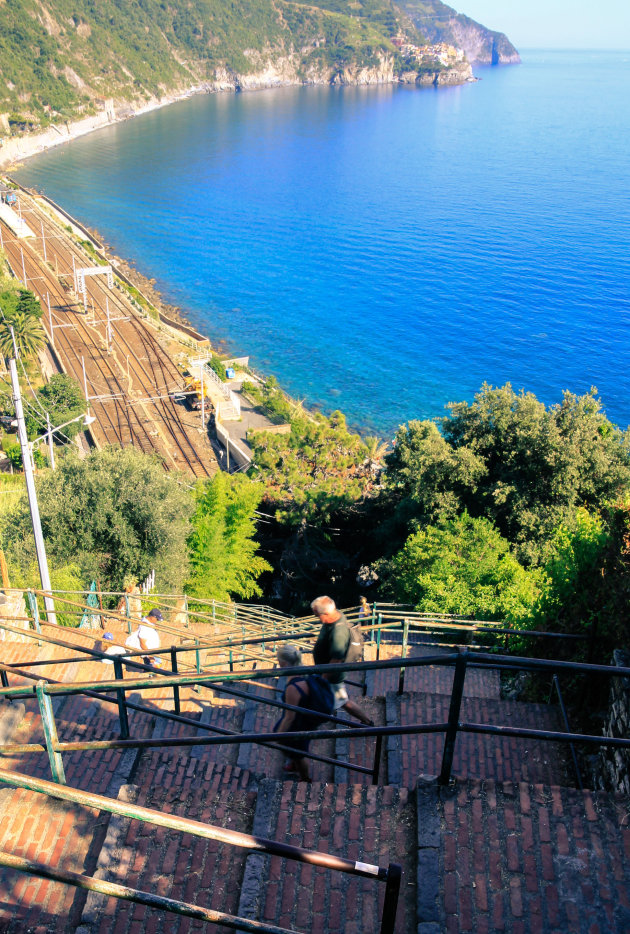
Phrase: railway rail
(127,375)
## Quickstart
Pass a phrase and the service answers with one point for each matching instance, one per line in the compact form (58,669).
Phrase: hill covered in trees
(59,60)
(506,510)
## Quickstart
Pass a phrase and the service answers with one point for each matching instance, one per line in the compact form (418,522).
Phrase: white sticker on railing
(366,867)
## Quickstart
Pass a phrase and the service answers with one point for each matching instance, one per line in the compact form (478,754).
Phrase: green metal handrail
(461,659)
(390,875)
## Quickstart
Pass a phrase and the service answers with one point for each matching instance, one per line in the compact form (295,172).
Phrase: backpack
(320,699)
(356,644)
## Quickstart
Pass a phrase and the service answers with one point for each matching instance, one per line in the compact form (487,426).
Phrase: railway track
(132,403)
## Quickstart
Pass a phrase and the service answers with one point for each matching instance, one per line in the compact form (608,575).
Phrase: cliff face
(450,69)
(441,23)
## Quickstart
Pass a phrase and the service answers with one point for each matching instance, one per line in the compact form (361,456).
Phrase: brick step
(371,824)
(361,751)
(60,834)
(432,679)
(177,865)
(503,856)
(503,758)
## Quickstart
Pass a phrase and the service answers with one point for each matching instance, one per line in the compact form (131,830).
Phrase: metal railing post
(405,640)
(231,661)
(198,657)
(565,718)
(390,903)
(50,733)
(5,683)
(128,614)
(176,701)
(378,637)
(453,717)
(120,697)
(377,758)
(32,602)
(186,618)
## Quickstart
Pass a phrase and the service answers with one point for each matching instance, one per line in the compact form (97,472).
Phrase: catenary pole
(27,461)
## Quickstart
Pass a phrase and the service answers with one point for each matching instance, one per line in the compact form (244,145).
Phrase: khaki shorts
(340,694)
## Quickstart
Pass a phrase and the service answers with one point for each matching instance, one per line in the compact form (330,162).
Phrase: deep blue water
(385,250)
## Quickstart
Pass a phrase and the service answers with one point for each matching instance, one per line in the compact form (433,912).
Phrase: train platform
(14,222)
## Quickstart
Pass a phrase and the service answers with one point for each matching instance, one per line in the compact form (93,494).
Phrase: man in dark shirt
(331,646)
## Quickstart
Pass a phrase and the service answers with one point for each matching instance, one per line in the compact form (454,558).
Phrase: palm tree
(375,451)
(29,335)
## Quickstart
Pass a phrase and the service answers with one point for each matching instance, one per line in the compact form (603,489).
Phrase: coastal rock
(482,46)
(441,23)
(443,66)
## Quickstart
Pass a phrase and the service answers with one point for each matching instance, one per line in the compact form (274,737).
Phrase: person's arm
(292,696)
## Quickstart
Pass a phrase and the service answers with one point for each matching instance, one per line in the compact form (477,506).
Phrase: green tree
(63,399)
(224,559)
(65,578)
(427,477)
(572,574)
(15,300)
(114,513)
(508,457)
(314,470)
(461,566)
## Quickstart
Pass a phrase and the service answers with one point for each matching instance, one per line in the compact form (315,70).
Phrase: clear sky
(573,24)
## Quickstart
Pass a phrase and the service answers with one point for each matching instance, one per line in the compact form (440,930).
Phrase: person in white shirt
(147,638)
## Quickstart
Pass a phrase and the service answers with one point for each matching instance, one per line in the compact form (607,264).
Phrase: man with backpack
(338,642)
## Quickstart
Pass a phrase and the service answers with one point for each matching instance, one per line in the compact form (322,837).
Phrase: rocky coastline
(452,69)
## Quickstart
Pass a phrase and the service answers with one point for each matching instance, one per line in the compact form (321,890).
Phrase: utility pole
(52,329)
(51,447)
(27,461)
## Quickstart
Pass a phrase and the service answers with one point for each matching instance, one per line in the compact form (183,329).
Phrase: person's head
(363,601)
(325,609)
(154,616)
(109,636)
(289,656)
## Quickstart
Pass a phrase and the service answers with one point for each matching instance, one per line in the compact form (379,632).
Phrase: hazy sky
(573,24)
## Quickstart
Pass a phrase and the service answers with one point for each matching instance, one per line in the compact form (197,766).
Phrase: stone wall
(612,771)
(13,612)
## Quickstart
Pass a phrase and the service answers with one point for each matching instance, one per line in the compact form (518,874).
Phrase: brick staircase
(511,845)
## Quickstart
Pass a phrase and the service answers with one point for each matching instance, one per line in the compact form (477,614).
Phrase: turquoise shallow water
(385,250)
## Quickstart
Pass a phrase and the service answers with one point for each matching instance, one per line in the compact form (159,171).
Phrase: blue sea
(386,250)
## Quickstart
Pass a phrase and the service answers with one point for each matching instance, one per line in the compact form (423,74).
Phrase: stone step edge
(429,845)
(119,787)
(268,798)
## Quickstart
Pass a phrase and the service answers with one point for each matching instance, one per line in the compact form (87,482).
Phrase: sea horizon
(488,244)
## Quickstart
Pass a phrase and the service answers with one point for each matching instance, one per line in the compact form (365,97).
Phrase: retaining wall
(613,765)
